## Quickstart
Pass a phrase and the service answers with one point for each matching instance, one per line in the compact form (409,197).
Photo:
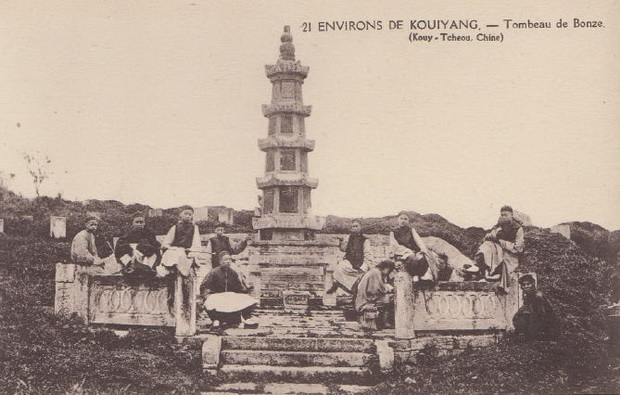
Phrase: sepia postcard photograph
(309,197)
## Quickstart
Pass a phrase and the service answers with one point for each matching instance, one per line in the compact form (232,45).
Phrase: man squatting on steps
(225,294)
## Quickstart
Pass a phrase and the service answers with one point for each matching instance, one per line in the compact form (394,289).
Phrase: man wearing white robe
(357,260)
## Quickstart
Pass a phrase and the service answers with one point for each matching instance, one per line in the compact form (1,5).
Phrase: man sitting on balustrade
(182,244)
(85,251)
(138,249)
(535,320)
(83,247)
(408,247)
(498,255)
(374,292)
(225,294)
(357,259)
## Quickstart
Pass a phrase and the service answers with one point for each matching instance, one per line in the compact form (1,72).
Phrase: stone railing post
(81,292)
(329,299)
(404,305)
(185,305)
(64,295)
(255,281)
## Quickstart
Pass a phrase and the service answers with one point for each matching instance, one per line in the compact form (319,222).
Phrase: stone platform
(318,322)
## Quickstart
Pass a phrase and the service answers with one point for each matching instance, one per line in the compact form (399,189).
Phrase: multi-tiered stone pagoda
(287,263)
(286,186)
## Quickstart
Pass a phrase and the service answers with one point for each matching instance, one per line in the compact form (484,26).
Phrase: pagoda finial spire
(287,48)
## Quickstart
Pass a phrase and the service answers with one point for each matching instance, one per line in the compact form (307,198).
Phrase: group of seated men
(139,256)
(495,261)
(138,253)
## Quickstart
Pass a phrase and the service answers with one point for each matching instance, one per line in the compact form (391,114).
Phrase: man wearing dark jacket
(221,243)
(357,259)
(225,294)
(535,320)
(138,249)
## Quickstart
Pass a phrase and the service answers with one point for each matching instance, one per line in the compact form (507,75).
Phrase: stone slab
(344,375)
(295,358)
(307,344)
(288,388)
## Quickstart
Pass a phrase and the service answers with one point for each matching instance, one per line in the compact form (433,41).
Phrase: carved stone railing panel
(129,305)
(110,299)
(446,310)
(453,306)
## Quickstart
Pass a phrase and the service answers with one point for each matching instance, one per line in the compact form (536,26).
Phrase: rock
(523,218)
(563,229)
(456,259)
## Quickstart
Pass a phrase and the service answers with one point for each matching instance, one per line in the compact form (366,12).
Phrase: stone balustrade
(452,315)
(111,300)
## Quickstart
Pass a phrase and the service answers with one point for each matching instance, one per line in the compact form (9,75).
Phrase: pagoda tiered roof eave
(285,67)
(282,142)
(288,221)
(286,179)
(297,108)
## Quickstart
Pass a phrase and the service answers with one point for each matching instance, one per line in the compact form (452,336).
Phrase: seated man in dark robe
(225,294)
(138,249)
(220,243)
(408,246)
(357,259)
(373,291)
(498,255)
(535,320)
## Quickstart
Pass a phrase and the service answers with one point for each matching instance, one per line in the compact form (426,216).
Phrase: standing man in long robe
(357,259)
(408,246)
(221,243)
(498,255)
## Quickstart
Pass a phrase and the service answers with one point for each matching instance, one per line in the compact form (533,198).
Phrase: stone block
(201,214)
(58,227)
(1,225)
(305,374)
(296,300)
(65,272)
(385,354)
(294,358)
(227,388)
(298,344)
(290,388)
(211,349)
(63,298)
(563,229)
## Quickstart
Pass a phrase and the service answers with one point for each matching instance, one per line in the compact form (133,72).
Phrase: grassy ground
(43,353)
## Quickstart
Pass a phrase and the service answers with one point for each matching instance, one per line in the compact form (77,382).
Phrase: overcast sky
(160,103)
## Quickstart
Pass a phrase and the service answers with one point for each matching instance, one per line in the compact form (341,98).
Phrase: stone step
(287,388)
(307,374)
(317,344)
(294,358)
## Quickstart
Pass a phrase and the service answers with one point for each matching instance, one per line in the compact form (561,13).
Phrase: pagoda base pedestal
(289,267)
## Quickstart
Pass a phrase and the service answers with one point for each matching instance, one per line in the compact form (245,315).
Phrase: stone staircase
(297,359)
(312,352)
